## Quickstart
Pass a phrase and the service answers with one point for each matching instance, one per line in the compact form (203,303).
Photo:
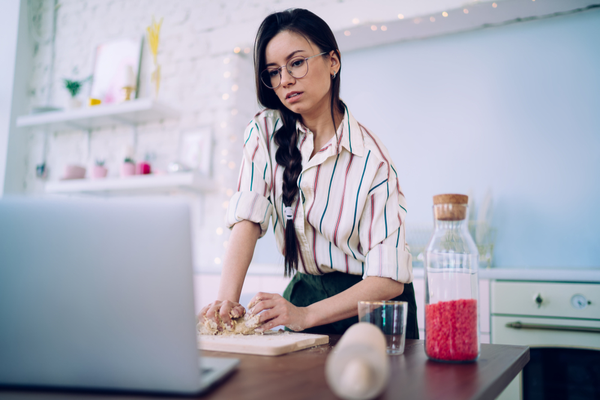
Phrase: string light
(247,50)
(444,14)
(432,19)
(225,96)
(219,231)
(217,261)
(233,138)
(400,16)
(355,21)
(234,111)
(229,192)
(231,165)
(224,152)
(383,28)
(226,61)
(417,20)
(223,124)
(237,50)
(235,88)
(466,11)
(347,33)
(373,27)
(225,204)
(227,74)
(494,5)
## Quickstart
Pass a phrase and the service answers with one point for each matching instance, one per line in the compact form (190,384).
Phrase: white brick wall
(199,67)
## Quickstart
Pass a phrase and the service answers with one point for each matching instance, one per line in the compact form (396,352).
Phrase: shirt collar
(349,134)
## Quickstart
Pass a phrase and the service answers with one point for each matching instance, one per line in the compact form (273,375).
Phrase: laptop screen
(97,294)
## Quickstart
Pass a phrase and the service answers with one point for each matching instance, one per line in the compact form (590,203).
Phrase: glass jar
(451,284)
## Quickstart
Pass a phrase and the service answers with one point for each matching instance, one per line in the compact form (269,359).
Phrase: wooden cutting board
(269,344)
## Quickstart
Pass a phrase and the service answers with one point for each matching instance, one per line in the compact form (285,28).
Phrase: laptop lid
(97,294)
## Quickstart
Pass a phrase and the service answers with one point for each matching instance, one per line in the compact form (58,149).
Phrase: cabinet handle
(539,300)
(519,325)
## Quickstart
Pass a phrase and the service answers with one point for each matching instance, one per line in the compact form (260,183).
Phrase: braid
(316,30)
(289,157)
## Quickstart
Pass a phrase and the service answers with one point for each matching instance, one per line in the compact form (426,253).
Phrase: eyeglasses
(296,67)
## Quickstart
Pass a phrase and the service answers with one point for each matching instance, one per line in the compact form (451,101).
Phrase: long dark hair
(313,28)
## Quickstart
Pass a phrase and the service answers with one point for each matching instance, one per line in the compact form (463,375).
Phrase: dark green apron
(304,290)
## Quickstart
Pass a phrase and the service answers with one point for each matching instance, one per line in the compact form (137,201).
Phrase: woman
(327,184)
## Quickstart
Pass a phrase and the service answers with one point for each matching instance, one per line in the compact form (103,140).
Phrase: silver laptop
(98,294)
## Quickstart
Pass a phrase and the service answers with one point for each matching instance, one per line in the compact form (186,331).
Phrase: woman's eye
(297,63)
(273,73)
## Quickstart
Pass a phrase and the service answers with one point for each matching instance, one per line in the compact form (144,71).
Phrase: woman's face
(311,93)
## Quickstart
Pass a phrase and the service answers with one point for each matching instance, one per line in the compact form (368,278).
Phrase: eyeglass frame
(288,70)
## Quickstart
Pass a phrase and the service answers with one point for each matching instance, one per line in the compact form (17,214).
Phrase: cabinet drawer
(503,333)
(568,300)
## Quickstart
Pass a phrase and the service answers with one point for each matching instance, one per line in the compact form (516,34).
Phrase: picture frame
(195,150)
(111,63)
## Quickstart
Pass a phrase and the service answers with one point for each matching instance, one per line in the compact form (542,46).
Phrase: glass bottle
(451,284)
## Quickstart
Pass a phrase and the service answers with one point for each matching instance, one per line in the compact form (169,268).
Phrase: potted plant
(128,167)
(74,87)
(143,167)
(99,171)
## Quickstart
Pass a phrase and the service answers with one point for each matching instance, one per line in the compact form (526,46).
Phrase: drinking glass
(390,317)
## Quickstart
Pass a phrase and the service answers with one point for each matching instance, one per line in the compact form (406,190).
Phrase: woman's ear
(335,61)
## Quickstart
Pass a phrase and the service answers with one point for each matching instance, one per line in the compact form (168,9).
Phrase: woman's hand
(275,311)
(221,312)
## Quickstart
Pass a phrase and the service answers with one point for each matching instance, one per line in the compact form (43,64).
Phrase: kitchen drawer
(503,333)
(557,299)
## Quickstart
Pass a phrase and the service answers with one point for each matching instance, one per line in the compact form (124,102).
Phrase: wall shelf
(127,113)
(191,182)
(479,15)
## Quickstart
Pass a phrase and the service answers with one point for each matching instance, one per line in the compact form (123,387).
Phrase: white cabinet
(544,315)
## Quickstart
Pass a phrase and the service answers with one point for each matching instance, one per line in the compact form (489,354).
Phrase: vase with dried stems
(153,38)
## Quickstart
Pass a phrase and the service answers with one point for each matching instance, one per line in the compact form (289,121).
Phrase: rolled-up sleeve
(382,233)
(252,202)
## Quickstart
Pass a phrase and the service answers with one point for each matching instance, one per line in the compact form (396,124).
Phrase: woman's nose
(286,77)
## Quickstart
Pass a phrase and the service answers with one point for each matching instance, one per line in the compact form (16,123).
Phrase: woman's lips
(293,97)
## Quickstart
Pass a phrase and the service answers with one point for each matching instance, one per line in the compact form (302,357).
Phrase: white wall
(511,108)
(199,68)
(14,74)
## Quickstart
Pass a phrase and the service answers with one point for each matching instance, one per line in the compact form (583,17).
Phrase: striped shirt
(349,212)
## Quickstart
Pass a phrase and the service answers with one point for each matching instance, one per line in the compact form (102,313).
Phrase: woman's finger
(202,312)
(263,305)
(259,297)
(271,324)
(212,310)
(268,315)
(224,312)
(238,311)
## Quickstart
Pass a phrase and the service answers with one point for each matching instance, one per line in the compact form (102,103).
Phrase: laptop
(98,294)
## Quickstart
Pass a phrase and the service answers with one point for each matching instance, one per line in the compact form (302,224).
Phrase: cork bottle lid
(450,199)
(455,208)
